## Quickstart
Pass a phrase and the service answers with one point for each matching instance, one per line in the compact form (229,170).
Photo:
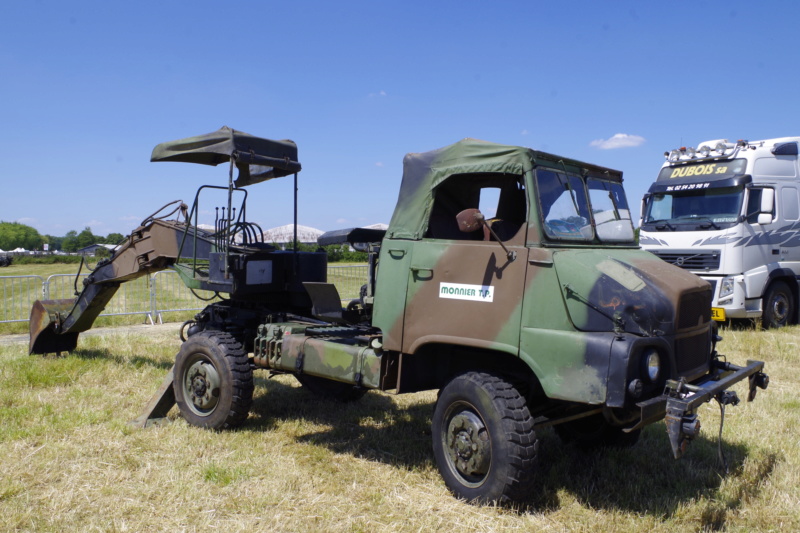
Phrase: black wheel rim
(467,444)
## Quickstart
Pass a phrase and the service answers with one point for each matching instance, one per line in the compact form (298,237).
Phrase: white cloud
(379,93)
(379,164)
(524,132)
(620,140)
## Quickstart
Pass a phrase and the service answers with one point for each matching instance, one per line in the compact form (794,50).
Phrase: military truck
(508,279)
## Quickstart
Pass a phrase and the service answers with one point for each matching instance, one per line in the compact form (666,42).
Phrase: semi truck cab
(729,212)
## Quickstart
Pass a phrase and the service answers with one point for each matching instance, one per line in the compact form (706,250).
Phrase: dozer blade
(46,317)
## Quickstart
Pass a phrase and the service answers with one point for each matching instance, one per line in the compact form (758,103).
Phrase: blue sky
(89,88)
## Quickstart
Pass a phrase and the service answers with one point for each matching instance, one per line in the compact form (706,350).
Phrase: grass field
(71,462)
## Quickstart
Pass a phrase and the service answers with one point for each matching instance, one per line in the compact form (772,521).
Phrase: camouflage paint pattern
(330,352)
(559,307)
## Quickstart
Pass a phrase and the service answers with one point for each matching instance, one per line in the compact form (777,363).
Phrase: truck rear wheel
(594,432)
(778,306)
(484,441)
(332,390)
(213,381)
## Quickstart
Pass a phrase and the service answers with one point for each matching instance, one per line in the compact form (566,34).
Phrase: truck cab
(729,212)
(505,268)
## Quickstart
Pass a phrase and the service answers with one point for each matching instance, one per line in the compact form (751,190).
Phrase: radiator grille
(692,355)
(690,259)
(692,347)
(694,309)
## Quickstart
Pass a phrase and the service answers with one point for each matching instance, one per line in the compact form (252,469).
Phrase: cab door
(465,288)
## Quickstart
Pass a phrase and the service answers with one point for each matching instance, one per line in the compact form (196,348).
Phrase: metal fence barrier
(19,293)
(151,296)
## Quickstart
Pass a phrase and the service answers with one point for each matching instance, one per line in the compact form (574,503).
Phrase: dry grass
(70,462)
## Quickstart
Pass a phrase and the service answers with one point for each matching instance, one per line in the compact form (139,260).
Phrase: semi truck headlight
(652,364)
(726,287)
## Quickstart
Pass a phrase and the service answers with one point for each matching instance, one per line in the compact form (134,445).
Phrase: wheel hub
(202,385)
(780,308)
(468,444)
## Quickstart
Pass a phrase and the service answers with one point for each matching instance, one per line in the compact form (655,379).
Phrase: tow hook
(681,428)
(760,380)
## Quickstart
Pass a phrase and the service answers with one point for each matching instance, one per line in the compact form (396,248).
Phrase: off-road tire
(593,432)
(779,307)
(329,389)
(484,441)
(213,382)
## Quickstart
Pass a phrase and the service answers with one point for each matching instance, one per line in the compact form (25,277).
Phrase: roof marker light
(720,148)
(674,155)
(704,150)
(691,152)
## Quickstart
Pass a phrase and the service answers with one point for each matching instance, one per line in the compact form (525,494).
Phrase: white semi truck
(729,212)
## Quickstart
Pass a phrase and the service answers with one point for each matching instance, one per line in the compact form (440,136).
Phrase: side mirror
(470,220)
(767,205)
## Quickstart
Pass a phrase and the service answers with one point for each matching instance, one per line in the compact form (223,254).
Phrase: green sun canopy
(257,159)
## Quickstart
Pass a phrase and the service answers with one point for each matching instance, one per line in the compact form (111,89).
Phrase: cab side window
(500,197)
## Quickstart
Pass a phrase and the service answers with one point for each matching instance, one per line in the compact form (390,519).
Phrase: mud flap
(44,326)
(159,405)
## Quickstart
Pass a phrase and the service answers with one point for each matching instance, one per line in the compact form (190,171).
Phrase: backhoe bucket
(45,321)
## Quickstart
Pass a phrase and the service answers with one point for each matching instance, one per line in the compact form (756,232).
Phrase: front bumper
(680,400)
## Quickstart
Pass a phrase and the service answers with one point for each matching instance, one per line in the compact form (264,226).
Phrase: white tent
(285,234)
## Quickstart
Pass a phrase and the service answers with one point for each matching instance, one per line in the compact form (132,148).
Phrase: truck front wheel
(484,441)
(213,381)
(778,306)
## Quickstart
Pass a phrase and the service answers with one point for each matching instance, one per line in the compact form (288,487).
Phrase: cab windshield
(689,210)
(582,210)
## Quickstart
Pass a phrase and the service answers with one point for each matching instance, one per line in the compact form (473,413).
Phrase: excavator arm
(153,246)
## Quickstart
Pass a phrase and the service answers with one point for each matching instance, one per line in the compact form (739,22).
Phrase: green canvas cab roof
(423,172)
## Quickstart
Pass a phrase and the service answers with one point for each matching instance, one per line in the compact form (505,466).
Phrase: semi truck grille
(690,259)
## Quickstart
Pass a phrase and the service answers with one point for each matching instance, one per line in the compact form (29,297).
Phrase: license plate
(718,314)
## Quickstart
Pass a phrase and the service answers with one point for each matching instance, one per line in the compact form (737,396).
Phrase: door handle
(422,273)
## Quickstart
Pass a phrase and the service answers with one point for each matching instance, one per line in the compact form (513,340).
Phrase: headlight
(726,287)
(652,364)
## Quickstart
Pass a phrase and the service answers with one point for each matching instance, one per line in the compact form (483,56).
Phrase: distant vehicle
(729,212)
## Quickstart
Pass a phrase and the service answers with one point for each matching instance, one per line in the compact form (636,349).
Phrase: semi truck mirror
(767,201)
(767,206)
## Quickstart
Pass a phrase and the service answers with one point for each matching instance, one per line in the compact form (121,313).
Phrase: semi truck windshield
(693,209)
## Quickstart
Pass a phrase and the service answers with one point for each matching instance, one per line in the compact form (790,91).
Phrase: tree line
(16,235)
